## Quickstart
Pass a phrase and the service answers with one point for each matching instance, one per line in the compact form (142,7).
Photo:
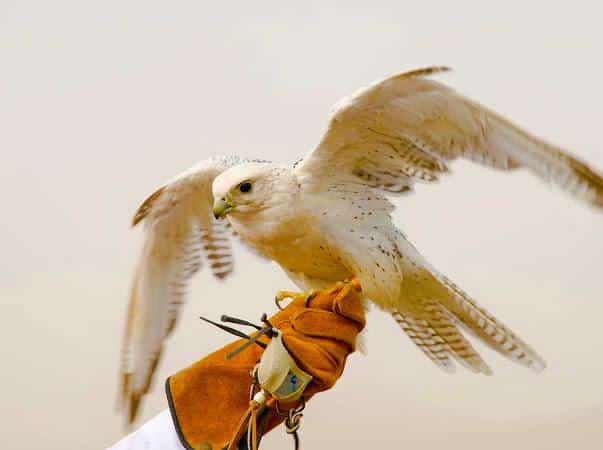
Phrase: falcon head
(250,188)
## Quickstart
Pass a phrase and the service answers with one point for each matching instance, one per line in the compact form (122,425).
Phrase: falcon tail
(432,323)
(490,330)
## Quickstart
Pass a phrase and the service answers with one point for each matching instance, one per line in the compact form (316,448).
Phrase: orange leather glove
(208,399)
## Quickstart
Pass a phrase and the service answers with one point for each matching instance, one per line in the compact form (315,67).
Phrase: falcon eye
(245,186)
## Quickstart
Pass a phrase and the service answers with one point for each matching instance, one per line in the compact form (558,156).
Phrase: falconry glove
(311,339)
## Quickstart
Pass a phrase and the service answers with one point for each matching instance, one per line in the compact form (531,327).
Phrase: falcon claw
(283,295)
(313,293)
(353,281)
(309,295)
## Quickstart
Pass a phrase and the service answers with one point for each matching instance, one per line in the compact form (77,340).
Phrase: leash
(293,421)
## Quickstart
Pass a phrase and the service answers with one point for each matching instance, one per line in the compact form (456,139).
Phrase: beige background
(102,101)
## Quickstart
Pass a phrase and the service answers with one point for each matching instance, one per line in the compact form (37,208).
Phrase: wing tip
(131,392)
(128,400)
(143,210)
(133,406)
(537,365)
(424,72)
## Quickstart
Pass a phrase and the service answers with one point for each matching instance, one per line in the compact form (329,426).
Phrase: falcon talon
(283,295)
(313,293)
(277,302)
(354,283)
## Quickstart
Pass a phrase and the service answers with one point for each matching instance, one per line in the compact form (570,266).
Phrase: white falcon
(328,218)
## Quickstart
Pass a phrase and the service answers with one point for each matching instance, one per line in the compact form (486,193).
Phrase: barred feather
(179,229)
(217,248)
(437,336)
(490,330)
(435,306)
(426,339)
(410,126)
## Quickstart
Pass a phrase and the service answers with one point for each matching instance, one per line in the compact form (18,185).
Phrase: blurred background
(102,101)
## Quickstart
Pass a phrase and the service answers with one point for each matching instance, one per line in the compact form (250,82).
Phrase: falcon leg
(282,295)
(308,295)
(354,283)
(349,283)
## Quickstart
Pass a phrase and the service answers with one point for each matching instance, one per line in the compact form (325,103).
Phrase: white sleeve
(157,434)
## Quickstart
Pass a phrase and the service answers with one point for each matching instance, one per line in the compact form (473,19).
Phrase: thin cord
(232,331)
(251,341)
(231,319)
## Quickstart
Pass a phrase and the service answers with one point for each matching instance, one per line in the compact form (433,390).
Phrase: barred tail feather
(439,338)
(485,326)
(430,310)
(422,335)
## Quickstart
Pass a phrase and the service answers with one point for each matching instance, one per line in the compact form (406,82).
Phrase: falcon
(327,218)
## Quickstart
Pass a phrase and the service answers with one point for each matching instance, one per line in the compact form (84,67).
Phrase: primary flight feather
(328,218)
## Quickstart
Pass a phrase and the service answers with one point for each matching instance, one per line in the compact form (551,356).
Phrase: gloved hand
(208,399)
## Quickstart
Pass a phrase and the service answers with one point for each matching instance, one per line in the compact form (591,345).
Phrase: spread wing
(408,128)
(179,231)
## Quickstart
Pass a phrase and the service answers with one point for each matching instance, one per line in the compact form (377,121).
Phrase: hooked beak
(222,207)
